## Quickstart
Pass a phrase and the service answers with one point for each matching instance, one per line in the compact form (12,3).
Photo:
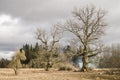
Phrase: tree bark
(47,63)
(85,63)
(15,70)
(47,66)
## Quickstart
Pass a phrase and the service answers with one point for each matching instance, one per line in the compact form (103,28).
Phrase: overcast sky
(20,18)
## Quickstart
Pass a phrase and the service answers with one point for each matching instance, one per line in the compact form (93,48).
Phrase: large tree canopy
(88,25)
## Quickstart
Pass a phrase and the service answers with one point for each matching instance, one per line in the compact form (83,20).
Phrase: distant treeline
(36,57)
(108,59)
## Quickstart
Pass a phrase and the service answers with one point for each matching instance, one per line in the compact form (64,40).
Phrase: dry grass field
(40,74)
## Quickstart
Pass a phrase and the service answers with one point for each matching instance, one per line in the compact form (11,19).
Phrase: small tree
(48,41)
(88,25)
(16,60)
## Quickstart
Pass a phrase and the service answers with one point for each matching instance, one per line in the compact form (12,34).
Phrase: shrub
(65,68)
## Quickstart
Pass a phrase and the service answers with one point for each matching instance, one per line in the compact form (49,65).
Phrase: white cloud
(7,19)
(7,54)
(14,33)
(8,25)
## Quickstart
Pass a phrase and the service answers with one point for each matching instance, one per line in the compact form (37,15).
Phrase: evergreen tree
(26,48)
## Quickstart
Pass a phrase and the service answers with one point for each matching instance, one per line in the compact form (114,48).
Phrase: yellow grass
(40,74)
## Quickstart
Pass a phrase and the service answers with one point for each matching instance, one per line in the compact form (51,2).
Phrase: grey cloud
(50,10)
(14,34)
(9,46)
(43,13)
(38,10)
(29,9)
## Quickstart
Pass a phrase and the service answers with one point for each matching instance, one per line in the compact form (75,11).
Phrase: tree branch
(94,54)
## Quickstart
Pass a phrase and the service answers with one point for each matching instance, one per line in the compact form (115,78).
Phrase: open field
(40,74)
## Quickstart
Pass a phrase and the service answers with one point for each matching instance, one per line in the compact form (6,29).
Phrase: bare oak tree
(48,41)
(88,25)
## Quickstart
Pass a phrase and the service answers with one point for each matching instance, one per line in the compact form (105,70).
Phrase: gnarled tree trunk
(85,63)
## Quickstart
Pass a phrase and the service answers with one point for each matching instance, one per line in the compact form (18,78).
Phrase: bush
(65,68)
